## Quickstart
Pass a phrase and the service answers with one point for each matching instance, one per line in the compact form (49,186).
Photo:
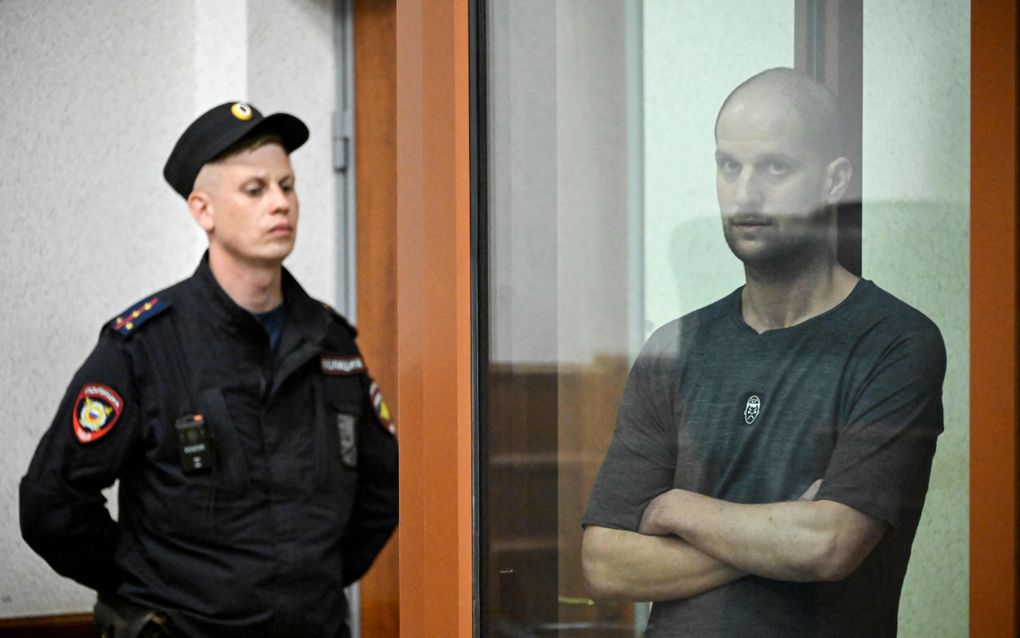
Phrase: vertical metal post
(478,79)
(634,24)
(343,161)
(828,46)
(344,166)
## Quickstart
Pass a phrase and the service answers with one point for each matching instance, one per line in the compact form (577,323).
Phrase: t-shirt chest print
(752,405)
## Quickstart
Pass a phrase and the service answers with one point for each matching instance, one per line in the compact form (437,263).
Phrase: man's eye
(253,191)
(728,166)
(776,168)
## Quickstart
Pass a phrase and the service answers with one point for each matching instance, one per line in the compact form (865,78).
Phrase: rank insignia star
(136,315)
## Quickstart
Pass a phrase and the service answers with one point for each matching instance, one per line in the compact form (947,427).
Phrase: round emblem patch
(241,111)
(96,410)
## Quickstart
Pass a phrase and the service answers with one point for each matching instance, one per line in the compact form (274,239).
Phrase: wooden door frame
(375,103)
(993,319)
(433,240)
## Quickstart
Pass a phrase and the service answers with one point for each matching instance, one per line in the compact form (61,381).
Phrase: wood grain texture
(993,319)
(63,626)
(434,317)
(375,97)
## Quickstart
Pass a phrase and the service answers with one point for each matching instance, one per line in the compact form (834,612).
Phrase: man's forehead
(774,120)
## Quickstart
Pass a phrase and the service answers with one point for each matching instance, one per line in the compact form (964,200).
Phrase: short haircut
(822,116)
(249,143)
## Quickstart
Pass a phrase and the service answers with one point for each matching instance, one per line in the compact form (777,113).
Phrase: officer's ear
(200,208)
(200,200)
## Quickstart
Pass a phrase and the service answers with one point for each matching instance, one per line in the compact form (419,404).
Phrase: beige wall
(93,94)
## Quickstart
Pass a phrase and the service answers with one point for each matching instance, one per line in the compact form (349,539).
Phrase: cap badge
(241,111)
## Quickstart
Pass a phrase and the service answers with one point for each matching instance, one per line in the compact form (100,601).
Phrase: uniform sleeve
(641,460)
(883,454)
(63,514)
(374,515)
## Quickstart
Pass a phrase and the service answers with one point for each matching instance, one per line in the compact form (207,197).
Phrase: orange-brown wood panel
(434,317)
(588,400)
(549,427)
(375,102)
(520,527)
(993,319)
(63,626)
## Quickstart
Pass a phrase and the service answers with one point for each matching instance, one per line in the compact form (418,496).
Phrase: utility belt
(115,617)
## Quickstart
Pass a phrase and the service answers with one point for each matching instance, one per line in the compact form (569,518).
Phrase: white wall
(93,94)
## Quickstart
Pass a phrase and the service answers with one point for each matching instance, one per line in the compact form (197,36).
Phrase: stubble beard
(783,257)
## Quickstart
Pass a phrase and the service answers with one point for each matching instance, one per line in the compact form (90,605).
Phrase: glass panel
(710,47)
(916,238)
(564,176)
(603,225)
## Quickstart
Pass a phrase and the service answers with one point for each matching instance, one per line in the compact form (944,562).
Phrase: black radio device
(194,441)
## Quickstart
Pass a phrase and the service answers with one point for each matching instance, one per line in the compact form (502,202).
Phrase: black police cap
(218,129)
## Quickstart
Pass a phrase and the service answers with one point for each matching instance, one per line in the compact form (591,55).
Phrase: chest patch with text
(341,366)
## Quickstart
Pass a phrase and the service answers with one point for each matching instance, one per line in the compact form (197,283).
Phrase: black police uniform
(296,492)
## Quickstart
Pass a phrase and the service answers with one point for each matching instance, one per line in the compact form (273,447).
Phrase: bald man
(772,450)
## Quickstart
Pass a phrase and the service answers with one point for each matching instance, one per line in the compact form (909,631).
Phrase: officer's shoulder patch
(96,410)
(382,411)
(341,319)
(128,321)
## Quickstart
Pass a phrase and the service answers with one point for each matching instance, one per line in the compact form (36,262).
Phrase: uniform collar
(306,318)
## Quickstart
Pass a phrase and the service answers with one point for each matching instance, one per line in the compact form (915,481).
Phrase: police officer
(256,460)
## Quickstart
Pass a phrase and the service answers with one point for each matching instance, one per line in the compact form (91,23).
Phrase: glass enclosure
(602,224)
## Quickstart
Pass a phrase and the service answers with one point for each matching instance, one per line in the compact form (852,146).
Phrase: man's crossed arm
(689,543)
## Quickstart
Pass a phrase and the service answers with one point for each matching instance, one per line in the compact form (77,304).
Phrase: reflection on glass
(564,190)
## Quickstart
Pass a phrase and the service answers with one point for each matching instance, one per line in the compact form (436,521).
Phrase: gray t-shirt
(852,396)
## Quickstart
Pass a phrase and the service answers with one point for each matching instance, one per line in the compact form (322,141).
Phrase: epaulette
(137,314)
(339,317)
